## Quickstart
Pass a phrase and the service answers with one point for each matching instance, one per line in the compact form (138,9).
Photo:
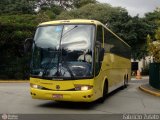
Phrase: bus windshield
(63,52)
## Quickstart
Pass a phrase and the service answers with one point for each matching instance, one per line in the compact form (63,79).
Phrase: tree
(16,6)
(81,3)
(65,4)
(14,30)
(48,4)
(152,18)
(154,46)
(101,12)
(133,30)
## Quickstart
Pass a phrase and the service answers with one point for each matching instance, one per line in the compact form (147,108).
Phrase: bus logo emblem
(57,87)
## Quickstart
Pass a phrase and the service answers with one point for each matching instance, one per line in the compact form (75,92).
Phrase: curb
(149,91)
(14,81)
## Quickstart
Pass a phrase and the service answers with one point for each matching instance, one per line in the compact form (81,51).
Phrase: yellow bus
(77,60)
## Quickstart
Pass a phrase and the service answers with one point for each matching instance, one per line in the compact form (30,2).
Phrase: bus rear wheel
(125,81)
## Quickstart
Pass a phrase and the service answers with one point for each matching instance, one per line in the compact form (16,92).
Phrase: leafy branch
(154,46)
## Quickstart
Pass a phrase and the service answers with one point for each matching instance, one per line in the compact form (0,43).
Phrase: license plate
(57,96)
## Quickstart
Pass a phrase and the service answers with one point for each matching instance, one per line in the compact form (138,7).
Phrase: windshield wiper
(68,69)
(62,50)
(47,67)
(49,63)
(58,73)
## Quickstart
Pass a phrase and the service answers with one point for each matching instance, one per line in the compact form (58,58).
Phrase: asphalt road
(15,99)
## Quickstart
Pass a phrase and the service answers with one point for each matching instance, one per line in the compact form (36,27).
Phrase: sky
(135,7)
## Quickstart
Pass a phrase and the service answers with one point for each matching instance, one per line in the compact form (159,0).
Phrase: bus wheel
(125,81)
(105,92)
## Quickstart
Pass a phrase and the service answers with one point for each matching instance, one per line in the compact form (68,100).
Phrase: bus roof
(85,21)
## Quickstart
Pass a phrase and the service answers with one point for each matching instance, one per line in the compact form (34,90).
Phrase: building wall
(143,62)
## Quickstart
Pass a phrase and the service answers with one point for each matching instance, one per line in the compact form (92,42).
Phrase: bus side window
(114,45)
(100,34)
(97,62)
(107,43)
(98,46)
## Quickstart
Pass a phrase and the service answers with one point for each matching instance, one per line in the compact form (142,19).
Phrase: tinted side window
(107,41)
(98,46)
(99,34)
(115,45)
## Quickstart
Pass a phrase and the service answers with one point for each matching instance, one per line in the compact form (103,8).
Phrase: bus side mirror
(28,45)
(101,54)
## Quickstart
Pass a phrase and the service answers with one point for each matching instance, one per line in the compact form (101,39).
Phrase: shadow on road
(70,105)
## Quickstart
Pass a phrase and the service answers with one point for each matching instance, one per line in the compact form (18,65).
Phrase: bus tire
(125,81)
(105,92)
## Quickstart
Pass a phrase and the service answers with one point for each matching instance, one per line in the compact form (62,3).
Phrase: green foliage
(145,70)
(51,7)
(133,30)
(81,3)
(136,31)
(18,21)
(43,16)
(157,35)
(152,18)
(16,6)
(14,30)
(154,46)
(56,9)
(153,40)
(64,4)
(101,12)
(52,11)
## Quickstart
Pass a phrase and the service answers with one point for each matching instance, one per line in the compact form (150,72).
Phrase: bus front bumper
(74,96)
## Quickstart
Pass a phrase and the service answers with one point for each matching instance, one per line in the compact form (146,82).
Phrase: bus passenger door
(97,63)
(98,71)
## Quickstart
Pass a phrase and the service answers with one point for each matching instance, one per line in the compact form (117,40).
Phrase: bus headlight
(83,87)
(36,86)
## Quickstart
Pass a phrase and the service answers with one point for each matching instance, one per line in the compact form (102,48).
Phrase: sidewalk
(146,87)
(143,78)
(149,89)
(14,81)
